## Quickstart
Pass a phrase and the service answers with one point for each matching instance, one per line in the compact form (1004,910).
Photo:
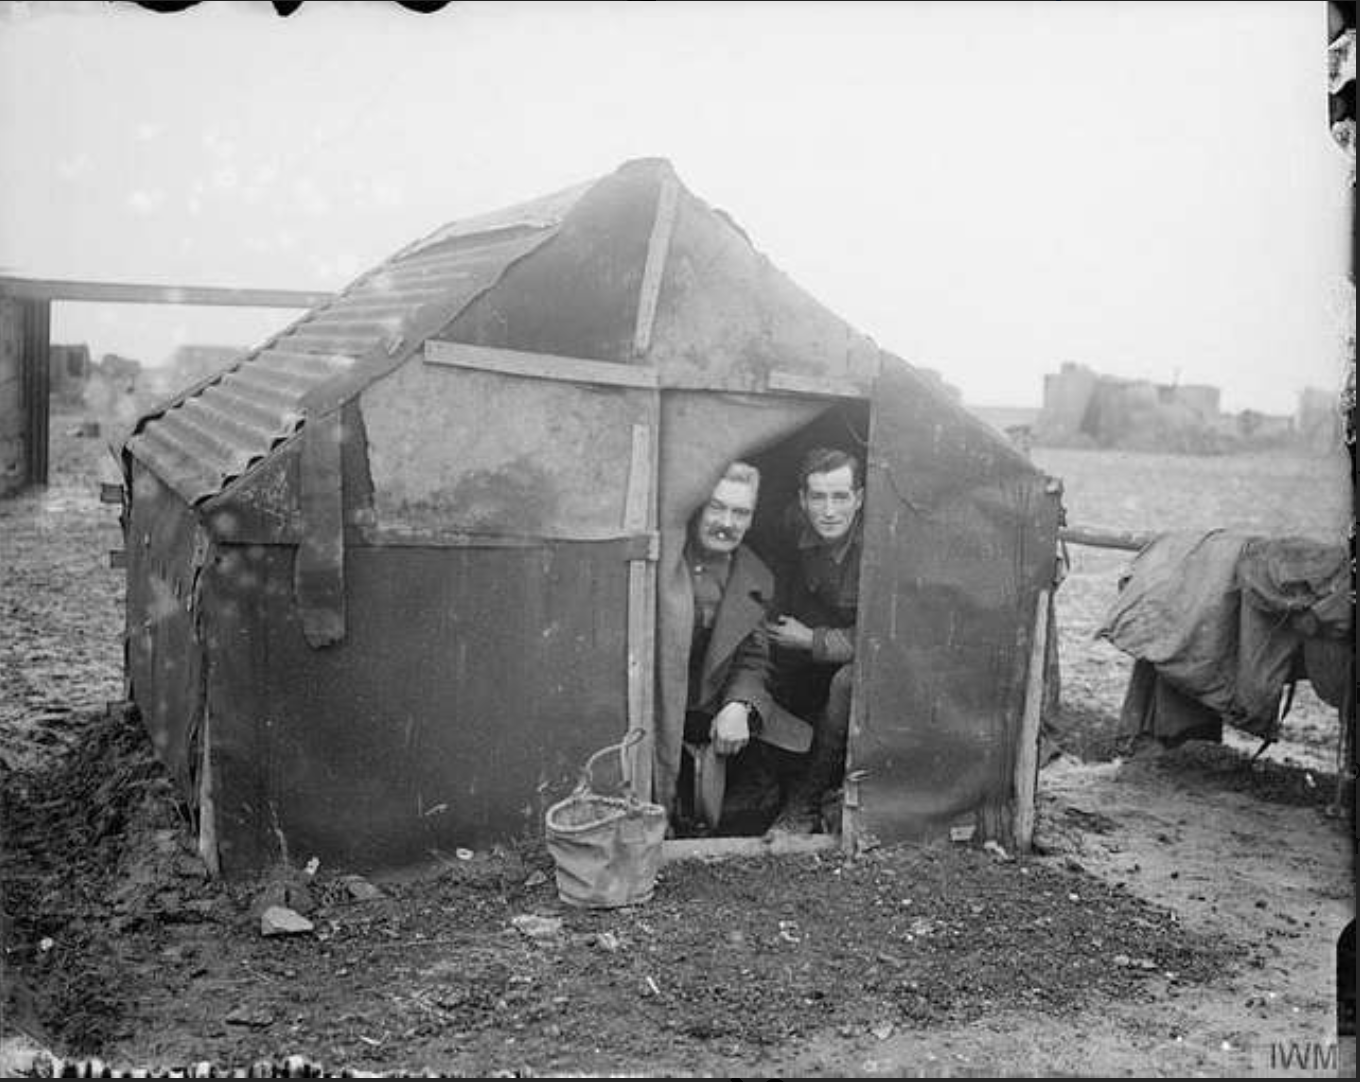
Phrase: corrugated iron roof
(215,432)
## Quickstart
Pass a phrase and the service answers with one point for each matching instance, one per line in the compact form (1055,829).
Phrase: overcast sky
(989,190)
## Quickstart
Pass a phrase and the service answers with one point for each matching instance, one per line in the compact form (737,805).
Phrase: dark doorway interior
(844,426)
(758,780)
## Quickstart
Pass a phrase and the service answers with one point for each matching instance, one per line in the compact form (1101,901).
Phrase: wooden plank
(207,804)
(511,362)
(852,827)
(639,492)
(52,289)
(1027,755)
(641,633)
(639,658)
(673,849)
(631,546)
(646,648)
(1106,539)
(793,383)
(658,245)
(37,351)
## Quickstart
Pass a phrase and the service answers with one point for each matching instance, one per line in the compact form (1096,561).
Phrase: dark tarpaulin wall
(728,319)
(578,295)
(470,687)
(960,538)
(164,655)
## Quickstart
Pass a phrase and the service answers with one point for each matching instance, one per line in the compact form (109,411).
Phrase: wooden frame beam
(1096,537)
(673,849)
(513,362)
(794,383)
(54,289)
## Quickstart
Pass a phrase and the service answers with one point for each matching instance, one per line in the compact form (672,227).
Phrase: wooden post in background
(1027,756)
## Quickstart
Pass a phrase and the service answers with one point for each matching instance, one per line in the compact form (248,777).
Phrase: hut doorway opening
(780,771)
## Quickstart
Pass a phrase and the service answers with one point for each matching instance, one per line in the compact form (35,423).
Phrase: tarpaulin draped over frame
(577,295)
(1225,618)
(960,537)
(1179,610)
(728,319)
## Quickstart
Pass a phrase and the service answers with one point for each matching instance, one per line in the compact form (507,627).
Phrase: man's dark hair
(826,459)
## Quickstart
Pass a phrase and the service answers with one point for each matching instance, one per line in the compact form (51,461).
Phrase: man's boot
(825,767)
(802,813)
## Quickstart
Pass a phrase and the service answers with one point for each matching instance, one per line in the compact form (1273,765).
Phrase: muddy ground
(1178,917)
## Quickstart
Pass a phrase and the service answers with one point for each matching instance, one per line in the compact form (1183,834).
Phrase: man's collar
(809,538)
(696,556)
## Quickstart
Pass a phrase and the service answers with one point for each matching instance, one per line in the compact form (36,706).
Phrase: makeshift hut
(397,572)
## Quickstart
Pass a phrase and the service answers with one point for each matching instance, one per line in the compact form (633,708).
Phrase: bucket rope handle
(631,737)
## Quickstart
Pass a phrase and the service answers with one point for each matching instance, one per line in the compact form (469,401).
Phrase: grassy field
(1268,494)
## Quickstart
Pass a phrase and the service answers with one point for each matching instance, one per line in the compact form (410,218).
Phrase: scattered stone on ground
(280,920)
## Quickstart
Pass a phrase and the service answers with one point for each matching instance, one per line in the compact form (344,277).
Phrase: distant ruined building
(1319,423)
(1083,408)
(1086,409)
(76,381)
(121,373)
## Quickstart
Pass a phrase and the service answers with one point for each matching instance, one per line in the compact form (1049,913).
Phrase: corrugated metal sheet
(579,297)
(216,432)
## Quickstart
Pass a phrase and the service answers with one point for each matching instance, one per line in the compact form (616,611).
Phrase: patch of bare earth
(734,966)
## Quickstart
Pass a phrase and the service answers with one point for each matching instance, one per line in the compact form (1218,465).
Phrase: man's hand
(731,729)
(790,633)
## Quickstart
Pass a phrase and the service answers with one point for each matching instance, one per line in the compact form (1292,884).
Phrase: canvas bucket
(607,846)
